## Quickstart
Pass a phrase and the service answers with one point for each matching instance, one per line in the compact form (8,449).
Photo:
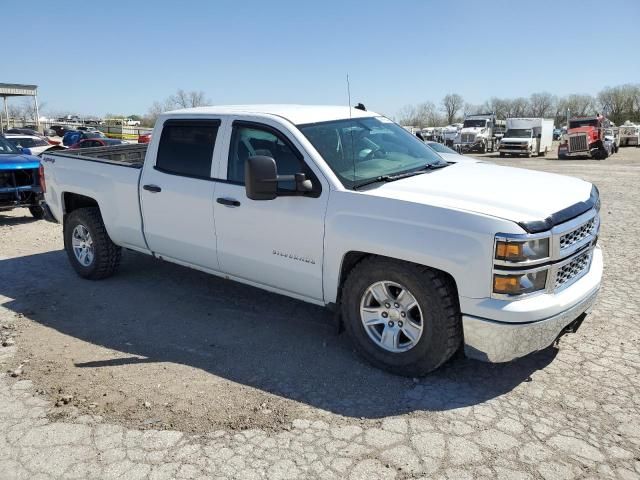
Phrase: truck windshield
(518,133)
(6,147)
(474,123)
(584,122)
(362,149)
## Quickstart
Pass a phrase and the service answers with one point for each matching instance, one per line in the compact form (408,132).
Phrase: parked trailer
(527,136)
(629,135)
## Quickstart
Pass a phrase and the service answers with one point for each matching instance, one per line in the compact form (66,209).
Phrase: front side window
(186,148)
(249,141)
(361,149)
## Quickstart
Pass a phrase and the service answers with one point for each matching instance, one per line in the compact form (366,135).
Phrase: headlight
(522,251)
(520,283)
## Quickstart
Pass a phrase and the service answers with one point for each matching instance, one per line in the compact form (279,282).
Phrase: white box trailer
(527,136)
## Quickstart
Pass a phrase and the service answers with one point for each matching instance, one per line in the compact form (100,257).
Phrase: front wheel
(401,317)
(90,250)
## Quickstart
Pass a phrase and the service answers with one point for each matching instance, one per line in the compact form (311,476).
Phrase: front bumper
(497,342)
(500,331)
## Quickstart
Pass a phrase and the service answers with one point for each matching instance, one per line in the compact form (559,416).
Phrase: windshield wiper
(391,178)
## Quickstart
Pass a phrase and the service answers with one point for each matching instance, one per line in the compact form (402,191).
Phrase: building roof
(296,114)
(17,90)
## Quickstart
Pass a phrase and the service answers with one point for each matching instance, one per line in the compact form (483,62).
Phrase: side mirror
(261,179)
(26,151)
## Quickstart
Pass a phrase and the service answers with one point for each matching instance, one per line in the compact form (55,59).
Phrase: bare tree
(183,99)
(618,103)
(451,105)
(407,115)
(518,107)
(180,99)
(499,106)
(542,104)
(471,109)
(427,115)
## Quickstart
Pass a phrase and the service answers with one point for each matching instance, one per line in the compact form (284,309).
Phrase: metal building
(18,90)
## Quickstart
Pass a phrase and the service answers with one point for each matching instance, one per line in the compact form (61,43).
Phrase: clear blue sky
(116,56)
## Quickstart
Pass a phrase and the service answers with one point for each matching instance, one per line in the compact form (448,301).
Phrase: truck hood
(18,162)
(514,194)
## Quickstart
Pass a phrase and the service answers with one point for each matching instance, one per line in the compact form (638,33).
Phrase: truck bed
(123,155)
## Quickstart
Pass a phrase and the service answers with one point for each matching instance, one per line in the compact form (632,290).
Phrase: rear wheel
(90,250)
(37,212)
(402,318)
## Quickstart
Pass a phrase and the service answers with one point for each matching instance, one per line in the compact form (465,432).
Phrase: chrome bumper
(496,342)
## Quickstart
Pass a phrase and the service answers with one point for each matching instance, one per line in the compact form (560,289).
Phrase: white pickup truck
(344,208)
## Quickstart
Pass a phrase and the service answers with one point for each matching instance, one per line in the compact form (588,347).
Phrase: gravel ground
(164,372)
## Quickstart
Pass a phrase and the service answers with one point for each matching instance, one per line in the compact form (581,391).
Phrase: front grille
(578,143)
(467,137)
(573,270)
(513,146)
(577,235)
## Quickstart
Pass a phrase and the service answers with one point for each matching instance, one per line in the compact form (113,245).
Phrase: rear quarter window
(186,147)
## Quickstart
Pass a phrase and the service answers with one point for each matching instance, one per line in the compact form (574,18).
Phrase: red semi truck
(585,138)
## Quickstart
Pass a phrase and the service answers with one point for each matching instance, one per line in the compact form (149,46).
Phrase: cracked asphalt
(163,373)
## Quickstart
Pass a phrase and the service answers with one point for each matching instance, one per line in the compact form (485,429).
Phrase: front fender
(459,243)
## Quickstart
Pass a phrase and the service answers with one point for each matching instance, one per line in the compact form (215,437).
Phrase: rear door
(176,193)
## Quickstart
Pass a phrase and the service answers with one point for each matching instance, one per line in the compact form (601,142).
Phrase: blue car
(21,180)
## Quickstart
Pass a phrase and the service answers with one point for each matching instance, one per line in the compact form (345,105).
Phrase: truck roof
(296,114)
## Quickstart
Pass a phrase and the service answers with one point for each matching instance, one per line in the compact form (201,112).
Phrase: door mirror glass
(261,178)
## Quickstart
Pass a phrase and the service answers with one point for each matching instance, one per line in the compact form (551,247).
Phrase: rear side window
(186,148)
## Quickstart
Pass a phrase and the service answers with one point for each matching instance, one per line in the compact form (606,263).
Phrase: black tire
(483,148)
(442,328)
(107,254)
(502,154)
(37,212)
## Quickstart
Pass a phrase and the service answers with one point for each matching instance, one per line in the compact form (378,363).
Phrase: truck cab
(585,138)
(477,134)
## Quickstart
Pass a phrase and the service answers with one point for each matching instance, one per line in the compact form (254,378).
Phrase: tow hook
(571,328)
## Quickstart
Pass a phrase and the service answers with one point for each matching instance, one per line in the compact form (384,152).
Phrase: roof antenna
(353,157)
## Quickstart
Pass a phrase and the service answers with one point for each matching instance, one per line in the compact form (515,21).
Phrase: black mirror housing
(261,178)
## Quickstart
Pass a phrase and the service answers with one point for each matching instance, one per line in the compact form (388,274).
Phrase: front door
(177,194)
(277,243)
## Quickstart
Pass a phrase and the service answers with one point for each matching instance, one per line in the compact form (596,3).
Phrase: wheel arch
(351,258)
(73,201)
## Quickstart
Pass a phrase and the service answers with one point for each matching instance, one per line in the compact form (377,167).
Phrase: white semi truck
(479,133)
(527,136)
